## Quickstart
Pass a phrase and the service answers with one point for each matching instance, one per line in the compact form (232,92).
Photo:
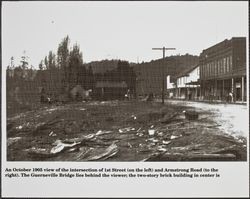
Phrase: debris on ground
(191,157)
(100,132)
(151,132)
(191,115)
(103,155)
(12,140)
(120,131)
(60,146)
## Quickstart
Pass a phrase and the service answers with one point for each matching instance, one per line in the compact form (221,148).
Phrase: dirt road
(127,131)
(232,118)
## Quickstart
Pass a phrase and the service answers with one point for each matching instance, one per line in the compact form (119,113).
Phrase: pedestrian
(127,95)
(231,96)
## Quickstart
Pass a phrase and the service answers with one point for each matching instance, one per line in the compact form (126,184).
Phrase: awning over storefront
(193,83)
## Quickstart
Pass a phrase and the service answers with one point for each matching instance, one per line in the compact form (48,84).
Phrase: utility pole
(163,75)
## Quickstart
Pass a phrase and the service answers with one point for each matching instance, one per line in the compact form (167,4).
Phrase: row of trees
(70,63)
(75,72)
(123,72)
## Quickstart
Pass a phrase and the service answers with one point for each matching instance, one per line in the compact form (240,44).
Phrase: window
(230,63)
(209,69)
(224,65)
(215,67)
(218,67)
(221,66)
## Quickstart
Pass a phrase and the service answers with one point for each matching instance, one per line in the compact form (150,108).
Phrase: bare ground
(119,131)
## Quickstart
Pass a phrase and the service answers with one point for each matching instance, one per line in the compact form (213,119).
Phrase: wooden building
(110,90)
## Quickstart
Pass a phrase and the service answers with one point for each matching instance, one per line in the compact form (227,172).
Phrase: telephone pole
(163,75)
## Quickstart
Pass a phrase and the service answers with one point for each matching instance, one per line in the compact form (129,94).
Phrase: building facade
(110,90)
(171,86)
(186,86)
(223,71)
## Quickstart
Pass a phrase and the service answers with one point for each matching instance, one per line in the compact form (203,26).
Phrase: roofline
(186,73)
(217,44)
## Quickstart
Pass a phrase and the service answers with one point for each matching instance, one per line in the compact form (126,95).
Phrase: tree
(127,74)
(123,69)
(41,65)
(62,59)
(51,61)
(82,75)
(74,65)
(63,53)
(12,65)
(89,81)
(46,62)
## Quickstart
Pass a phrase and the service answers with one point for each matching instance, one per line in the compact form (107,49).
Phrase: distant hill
(173,65)
(102,66)
(150,74)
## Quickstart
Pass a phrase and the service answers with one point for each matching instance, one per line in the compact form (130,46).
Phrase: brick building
(223,71)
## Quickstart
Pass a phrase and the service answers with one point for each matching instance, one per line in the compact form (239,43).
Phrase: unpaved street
(233,118)
(127,131)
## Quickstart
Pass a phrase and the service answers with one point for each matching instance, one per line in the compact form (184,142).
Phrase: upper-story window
(215,67)
(230,63)
(211,69)
(218,67)
(221,66)
(207,70)
(224,65)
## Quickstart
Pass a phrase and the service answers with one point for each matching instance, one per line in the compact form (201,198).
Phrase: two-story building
(223,70)
(187,84)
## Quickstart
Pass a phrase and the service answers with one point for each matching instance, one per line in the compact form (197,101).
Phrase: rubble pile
(119,131)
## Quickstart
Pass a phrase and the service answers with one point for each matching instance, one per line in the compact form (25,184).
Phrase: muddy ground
(119,131)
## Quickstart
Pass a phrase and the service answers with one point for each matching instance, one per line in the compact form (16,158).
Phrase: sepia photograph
(125,81)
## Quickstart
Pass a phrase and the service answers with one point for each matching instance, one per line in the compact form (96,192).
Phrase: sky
(118,30)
